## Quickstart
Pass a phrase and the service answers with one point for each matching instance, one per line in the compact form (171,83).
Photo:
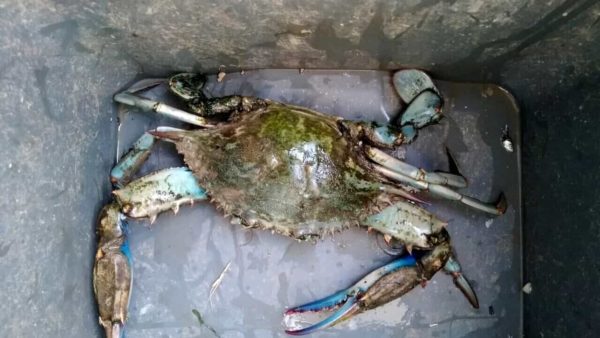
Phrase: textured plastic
(178,258)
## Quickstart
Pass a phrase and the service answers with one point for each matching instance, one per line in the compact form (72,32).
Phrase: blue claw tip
(349,306)
(323,303)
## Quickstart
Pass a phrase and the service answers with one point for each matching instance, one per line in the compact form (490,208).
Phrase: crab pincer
(350,301)
(452,267)
(383,285)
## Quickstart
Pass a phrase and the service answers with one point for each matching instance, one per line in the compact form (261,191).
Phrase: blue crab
(296,172)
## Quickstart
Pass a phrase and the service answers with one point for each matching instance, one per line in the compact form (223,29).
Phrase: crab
(295,172)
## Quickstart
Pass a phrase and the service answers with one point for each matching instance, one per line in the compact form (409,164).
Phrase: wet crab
(293,171)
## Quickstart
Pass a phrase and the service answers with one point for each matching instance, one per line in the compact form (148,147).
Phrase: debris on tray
(215,285)
(507,142)
(203,323)
(528,288)
(221,76)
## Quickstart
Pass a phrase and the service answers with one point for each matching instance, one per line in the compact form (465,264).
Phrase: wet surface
(178,258)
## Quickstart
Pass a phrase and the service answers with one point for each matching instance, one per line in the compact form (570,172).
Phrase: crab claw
(348,302)
(424,101)
(453,268)
(379,287)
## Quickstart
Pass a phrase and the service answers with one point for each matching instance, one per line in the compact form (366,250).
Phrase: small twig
(215,285)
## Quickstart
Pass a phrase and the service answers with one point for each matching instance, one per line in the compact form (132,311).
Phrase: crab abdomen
(283,168)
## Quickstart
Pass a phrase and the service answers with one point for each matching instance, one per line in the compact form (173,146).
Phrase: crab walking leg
(131,162)
(112,276)
(442,191)
(150,105)
(413,172)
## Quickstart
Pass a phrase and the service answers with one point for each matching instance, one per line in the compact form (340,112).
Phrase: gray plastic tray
(177,259)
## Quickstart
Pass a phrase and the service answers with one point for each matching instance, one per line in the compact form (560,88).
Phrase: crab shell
(296,172)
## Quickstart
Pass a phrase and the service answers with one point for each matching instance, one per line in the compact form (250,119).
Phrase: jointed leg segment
(438,184)
(144,197)
(112,270)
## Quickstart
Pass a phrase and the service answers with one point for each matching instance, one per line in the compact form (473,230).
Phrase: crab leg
(150,105)
(442,191)
(397,170)
(345,302)
(144,197)
(112,276)
(129,164)
(188,87)
(413,172)
(375,289)
(424,101)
